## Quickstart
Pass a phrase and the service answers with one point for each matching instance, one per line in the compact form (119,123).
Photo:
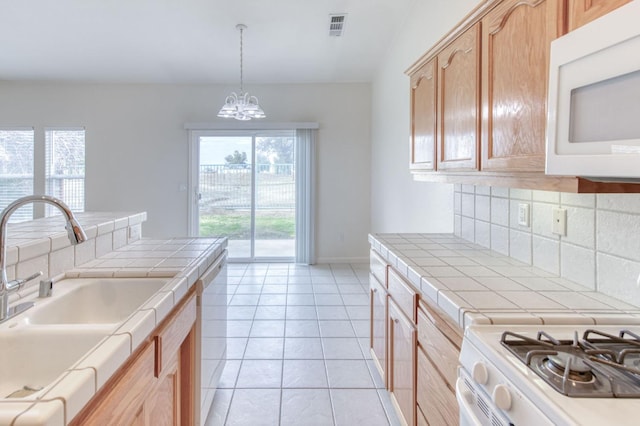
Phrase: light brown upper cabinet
(516,38)
(458,102)
(486,103)
(424,98)
(584,11)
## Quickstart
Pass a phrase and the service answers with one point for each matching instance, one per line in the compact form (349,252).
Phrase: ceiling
(194,41)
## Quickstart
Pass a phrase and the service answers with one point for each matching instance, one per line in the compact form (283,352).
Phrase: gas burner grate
(597,365)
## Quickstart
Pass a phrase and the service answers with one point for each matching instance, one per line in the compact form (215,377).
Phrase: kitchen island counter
(115,249)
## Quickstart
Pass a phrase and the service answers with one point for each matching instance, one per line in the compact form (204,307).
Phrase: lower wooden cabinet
(434,396)
(162,407)
(156,386)
(415,348)
(438,350)
(421,418)
(378,324)
(402,364)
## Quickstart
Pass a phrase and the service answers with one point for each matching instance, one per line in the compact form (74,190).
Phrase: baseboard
(342,260)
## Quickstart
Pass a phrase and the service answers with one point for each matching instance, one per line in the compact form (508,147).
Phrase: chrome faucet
(75,233)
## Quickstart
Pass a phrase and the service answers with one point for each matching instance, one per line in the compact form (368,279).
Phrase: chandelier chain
(241,106)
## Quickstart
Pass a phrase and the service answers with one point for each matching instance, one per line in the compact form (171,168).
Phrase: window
(64,167)
(62,153)
(16,169)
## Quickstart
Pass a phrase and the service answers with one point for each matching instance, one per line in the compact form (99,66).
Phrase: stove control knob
(502,397)
(480,373)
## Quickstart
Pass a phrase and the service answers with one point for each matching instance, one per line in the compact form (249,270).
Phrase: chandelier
(241,106)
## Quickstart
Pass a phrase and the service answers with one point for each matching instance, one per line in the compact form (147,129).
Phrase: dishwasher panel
(211,330)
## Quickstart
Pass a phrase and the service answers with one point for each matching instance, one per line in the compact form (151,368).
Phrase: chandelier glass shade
(241,106)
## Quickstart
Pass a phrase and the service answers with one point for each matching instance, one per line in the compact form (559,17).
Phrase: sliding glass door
(246,191)
(275,196)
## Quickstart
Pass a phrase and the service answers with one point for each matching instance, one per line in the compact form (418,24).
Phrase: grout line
(362,287)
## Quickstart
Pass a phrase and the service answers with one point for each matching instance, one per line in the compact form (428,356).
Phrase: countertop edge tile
(139,326)
(76,389)
(43,413)
(107,358)
(10,410)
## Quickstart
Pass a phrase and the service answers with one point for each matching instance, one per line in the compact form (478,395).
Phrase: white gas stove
(550,375)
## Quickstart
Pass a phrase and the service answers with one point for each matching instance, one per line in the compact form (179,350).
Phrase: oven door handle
(466,410)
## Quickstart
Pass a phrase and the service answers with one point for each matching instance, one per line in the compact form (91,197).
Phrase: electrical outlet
(523,214)
(559,221)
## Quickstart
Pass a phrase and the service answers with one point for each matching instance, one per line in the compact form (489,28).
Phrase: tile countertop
(180,260)
(475,285)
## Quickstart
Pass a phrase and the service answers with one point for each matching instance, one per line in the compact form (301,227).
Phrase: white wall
(137,149)
(398,203)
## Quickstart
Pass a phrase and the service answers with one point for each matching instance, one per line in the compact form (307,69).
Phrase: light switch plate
(523,214)
(559,221)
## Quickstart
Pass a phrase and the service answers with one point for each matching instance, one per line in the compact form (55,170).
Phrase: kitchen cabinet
(458,103)
(378,334)
(584,11)
(155,386)
(403,294)
(401,379)
(424,98)
(414,346)
(378,267)
(516,40)
(161,406)
(491,85)
(421,347)
(439,344)
(402,363)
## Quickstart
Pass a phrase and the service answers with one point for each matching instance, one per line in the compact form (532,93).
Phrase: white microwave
(593,111)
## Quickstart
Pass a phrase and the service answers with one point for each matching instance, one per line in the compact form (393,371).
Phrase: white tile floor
(298,349)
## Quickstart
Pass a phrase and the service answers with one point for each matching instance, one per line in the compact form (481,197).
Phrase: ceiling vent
(336,24)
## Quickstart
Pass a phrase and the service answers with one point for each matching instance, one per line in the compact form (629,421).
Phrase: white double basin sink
(40,344)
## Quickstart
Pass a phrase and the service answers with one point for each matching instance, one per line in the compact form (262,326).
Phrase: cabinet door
(424,99)
(378,342)
(458,102)
(402,363)
(123,401)
(516,39)
(162,406)
(583,11)
(434,397)
(436,339)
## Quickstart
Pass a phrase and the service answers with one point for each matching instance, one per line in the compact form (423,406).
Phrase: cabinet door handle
(375,290)
(396,320)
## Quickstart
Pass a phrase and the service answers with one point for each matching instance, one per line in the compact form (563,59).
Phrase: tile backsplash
(42,245)
(600,251)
